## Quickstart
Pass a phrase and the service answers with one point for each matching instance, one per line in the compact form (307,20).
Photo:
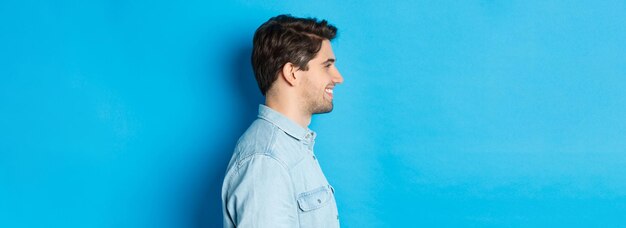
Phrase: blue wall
(473,114)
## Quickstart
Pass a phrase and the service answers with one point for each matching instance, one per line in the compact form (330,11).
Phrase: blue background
(455,114)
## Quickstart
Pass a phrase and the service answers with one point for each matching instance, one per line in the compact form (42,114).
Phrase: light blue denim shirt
(274,180)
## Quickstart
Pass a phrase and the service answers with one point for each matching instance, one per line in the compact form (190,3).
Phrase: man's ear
(289,73)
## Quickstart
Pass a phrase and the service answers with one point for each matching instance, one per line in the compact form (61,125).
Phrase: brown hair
(284,39)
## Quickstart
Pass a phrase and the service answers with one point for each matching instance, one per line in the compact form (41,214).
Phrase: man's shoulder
(263,138)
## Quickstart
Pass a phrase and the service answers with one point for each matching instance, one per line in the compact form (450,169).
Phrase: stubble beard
(317,103)
(321,106)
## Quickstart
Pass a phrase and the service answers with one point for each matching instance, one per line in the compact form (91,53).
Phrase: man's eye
(328,65)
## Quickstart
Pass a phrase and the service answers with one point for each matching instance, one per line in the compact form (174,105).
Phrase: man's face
(319,81)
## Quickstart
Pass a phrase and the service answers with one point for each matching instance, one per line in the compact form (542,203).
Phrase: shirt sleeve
(261,195)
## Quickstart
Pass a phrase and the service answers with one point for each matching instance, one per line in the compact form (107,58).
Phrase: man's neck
(292,112)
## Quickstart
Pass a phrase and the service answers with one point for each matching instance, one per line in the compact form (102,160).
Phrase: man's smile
(329,91)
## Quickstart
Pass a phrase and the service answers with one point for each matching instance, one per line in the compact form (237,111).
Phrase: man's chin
(325,109)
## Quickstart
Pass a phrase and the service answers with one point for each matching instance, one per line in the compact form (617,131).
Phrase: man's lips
(329,91)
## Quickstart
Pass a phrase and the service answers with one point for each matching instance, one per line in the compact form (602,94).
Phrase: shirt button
(314,157)
(319,201)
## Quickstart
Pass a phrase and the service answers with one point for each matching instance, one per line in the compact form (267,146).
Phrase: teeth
(329,90)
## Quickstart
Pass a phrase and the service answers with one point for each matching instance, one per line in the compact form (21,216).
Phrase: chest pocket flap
(315,198)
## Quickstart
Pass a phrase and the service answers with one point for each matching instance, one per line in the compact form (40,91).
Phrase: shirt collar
(285,124)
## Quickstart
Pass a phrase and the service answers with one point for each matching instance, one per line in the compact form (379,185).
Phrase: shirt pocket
(315,199)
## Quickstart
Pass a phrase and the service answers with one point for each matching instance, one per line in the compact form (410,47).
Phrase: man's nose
(337,78)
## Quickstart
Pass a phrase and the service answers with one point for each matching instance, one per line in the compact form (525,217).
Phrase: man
(273,178)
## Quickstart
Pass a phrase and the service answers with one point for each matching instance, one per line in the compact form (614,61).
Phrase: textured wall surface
(452,114)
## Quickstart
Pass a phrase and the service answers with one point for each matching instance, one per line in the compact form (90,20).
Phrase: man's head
(293,57)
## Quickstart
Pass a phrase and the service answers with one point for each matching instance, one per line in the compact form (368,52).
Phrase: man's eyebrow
(328,61)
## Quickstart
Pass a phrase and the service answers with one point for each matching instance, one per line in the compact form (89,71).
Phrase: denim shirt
(274,180)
